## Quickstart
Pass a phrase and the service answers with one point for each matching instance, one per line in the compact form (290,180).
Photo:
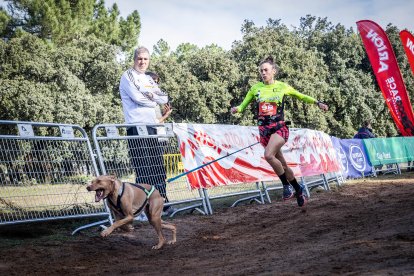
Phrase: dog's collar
(120,191)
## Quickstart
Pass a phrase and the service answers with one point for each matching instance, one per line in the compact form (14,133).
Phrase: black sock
(295,185)
(284,179)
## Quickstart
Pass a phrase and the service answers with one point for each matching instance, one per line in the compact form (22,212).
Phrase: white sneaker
(141,217)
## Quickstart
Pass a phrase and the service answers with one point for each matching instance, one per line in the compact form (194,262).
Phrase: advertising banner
(409,147)
(358,164)
(307,153)
(341,156)
(310,153)
(407,40)
(387,72)
(386,150)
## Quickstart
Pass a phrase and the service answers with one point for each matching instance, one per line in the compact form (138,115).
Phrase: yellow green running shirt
(270,98)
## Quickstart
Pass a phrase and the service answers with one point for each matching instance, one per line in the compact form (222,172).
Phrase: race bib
(266,109)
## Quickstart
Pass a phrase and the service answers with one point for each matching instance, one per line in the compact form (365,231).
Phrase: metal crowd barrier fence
(147,154)
(307,182)
(386,169)
(259,191)
(43,171)
(249,192)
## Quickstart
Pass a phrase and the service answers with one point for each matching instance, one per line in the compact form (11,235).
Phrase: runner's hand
(323,106)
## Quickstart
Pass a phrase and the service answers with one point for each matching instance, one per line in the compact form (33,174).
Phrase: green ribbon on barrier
(382,151)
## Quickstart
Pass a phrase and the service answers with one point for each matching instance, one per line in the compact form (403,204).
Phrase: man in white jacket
(140,95)
(139,92)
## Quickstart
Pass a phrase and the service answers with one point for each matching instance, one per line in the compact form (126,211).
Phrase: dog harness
(118,205)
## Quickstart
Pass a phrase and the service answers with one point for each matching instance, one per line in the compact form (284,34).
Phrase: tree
(60,21)
(200,81)
(74,84)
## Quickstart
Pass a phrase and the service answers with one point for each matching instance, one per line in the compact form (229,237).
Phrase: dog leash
(207,164)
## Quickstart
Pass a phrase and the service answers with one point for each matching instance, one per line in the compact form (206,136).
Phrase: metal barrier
(147,154)
(386,169)
(259,191)
(307,182)
(43,171)
(252,190)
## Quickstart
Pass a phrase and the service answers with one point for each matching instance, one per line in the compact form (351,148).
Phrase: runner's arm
(305,98)
(249,97)
(290,91)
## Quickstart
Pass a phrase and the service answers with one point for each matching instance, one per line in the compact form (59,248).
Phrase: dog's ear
(112,177)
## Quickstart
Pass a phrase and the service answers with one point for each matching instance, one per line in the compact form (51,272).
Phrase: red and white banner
(408,42)
(388,75)
(308,153)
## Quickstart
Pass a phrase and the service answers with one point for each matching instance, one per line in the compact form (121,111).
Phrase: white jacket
(140,95)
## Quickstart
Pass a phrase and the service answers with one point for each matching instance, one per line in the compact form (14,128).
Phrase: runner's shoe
(301,198)
(287,192)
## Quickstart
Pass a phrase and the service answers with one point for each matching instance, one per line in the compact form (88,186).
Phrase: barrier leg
(398,168)
(338,181)
(202,195)
(261,193)
(90,225)
(210,210)
(326,183)
(303,183)
(266,192)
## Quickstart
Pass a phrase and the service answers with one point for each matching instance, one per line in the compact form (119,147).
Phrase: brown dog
(127,200)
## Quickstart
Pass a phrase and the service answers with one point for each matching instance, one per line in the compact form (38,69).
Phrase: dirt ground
(365,227)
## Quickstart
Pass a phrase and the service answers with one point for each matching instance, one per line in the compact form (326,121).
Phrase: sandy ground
(365,227)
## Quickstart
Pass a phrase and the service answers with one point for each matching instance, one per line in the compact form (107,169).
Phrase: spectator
(161,116)
(365,131)
(140,95)
(270,96)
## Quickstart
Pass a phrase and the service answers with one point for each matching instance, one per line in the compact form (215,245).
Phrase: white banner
(307,153)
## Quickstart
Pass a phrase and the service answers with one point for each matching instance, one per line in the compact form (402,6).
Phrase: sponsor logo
(357,158)
(381,48)
(25,130)
(383,155)
(410,45)
(344,160)
(267,108)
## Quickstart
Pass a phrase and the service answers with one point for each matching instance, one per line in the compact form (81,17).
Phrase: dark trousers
(147,160)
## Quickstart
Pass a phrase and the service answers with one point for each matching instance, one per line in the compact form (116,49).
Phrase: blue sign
(353,157)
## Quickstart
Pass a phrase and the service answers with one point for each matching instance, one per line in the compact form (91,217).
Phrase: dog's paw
(158,246)
(105,233)
(128,228)
(171,242)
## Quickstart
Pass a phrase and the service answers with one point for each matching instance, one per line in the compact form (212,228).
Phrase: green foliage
(4,21)
(58,63)
(76,83)
(199,81)
(62,20)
